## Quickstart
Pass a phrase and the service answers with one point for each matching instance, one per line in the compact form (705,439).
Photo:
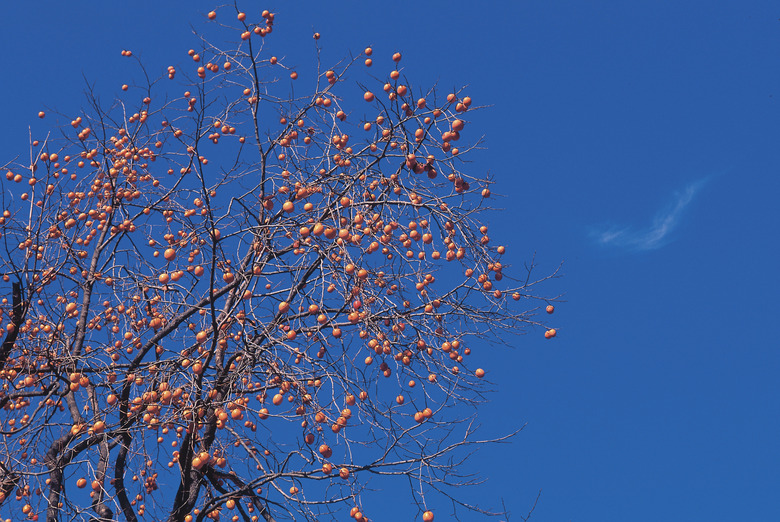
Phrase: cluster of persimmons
(208,315)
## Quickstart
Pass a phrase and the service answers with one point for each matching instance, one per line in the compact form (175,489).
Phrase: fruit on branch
(231,283)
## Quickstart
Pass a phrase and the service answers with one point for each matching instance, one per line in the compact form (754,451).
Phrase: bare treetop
(228,295)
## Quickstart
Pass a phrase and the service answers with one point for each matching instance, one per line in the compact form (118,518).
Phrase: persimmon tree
(227,297)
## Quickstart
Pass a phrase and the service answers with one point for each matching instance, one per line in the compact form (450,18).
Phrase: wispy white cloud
(657,234)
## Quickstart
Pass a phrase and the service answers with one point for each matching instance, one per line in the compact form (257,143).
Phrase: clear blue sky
(634,141)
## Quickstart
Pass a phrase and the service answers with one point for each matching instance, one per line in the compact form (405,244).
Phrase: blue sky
(636,142)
